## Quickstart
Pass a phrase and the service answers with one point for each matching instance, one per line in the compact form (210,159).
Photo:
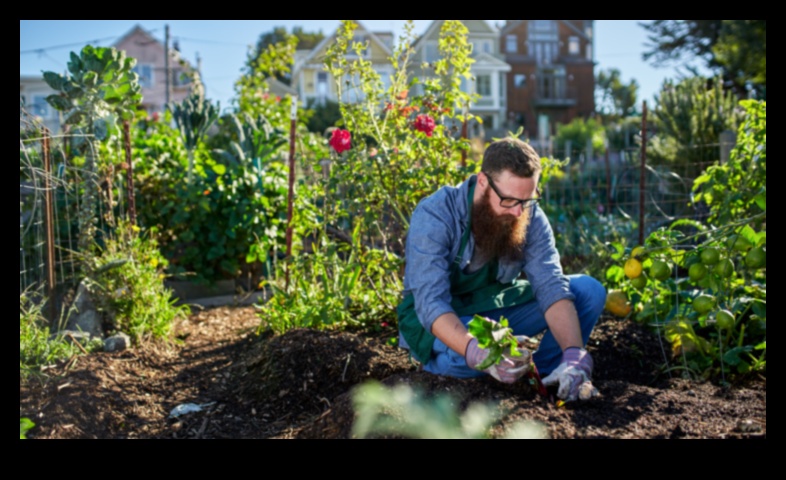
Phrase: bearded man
(466,249)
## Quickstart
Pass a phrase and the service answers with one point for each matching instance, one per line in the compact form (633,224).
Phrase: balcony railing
(553,91)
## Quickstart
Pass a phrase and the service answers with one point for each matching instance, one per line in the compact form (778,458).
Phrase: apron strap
(465,236)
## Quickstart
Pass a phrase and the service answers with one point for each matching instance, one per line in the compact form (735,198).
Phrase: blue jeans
(527,319)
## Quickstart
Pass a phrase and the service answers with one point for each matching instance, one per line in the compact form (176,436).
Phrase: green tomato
(697,271)
(703,303)
(660,270)
(724,319)
(756,258)
(639,282)
(724,268)
(710,256)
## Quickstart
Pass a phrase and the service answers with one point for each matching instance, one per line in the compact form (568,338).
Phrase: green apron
(471,293)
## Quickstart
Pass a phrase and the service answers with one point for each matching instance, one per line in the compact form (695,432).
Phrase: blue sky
(222,46)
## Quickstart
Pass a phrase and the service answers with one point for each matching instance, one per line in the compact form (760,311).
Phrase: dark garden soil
(298,385)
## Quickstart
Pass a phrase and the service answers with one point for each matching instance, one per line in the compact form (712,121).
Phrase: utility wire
(42,50)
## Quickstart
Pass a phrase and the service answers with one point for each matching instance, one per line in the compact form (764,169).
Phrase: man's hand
(508,370)
(573,376)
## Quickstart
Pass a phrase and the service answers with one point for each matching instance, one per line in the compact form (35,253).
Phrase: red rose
(340,140)
(425,124)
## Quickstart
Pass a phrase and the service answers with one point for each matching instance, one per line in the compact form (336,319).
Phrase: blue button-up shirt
(433,242)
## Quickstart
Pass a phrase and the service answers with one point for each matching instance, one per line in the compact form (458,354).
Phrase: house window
(543,41)
(488,121)
(543,25)
(589,52)
(511,44)
(322,87)
(519,80)
(482,46)
(39,106)
(573,45)
(145,72)
(484,85)
(432,52)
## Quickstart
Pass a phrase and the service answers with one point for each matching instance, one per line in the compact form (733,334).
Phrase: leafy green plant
(100,87)
(496,337)
(579,132)
(37,346)
(128,276)
(25,424)
(712,309)
(397,149)
(228,219)
(193,116)
(336,285)
(404,412)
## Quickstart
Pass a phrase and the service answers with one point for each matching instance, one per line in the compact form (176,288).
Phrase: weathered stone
(85,317)
(117,343)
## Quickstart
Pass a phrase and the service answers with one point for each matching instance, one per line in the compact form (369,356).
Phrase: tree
(298,39)
(617,99)
(689,117)
(734,49)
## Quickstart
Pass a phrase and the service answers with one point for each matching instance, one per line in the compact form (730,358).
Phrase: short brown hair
(511,154)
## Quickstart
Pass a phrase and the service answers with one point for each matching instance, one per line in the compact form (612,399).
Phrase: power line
(218,42)
(42,50)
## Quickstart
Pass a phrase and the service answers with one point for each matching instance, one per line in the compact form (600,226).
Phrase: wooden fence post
(50,229)
(642,183)
(728,139)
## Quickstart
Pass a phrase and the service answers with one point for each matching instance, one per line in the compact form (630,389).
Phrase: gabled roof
(138,29)
(436,25)
(361,28)
(576,29)
(487,60)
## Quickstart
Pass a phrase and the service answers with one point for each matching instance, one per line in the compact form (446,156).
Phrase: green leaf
(749,234)
(54,80)
(59,103)
(75,65)
(615,273)
(761,346)
(25,424)
(219,168)
(73,91)
(90,79)
(619,250)
(761,200)
(732,357)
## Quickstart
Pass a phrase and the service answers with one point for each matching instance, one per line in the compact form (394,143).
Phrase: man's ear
(482,180)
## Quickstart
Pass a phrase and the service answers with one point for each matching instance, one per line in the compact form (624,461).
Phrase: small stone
(117,343)
(747,426)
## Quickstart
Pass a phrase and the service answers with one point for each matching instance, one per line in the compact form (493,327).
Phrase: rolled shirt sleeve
(431,245)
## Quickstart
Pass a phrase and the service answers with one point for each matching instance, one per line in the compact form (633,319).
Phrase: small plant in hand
(496,337)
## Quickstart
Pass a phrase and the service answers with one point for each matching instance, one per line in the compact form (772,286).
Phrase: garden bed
(298,385)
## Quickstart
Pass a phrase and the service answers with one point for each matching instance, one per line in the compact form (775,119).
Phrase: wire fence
(611,197)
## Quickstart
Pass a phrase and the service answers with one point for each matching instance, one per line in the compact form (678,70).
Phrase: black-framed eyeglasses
(510,202)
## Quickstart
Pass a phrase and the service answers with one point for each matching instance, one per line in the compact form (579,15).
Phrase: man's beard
(499,236)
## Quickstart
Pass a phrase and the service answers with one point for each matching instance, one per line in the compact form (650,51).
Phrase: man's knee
(590,294)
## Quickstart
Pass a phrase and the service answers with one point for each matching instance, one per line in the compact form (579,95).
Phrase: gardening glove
(573,376)
(508,370)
